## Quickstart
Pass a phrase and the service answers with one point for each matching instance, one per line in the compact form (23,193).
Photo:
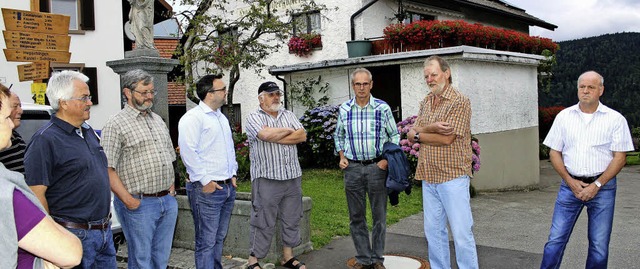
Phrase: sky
(582,18)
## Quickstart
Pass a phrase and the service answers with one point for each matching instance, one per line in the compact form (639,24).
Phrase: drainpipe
(284,89)
(353,17)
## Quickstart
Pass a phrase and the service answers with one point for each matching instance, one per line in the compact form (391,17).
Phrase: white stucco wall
(93,48)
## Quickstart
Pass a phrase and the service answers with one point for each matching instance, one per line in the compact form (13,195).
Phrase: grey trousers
(359,181)
(274,200)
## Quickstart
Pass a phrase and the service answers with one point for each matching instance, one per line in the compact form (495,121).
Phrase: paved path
(511,229)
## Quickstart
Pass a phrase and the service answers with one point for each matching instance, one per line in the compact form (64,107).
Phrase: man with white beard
(140,155)
(276,176)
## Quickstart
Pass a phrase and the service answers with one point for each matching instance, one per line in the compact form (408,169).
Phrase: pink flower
(416,146)
(413,152)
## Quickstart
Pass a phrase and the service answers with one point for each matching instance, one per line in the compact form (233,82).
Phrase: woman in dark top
(30,238)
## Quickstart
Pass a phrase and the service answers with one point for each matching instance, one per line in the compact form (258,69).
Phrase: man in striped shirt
(276,176)
(587,144)
(444,165)
(13,157)
(364,124)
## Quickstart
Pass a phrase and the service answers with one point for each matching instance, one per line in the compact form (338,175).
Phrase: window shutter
(92,73)
(87,15)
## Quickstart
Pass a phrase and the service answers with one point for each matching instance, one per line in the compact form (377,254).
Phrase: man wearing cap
(276,176)
(364,124)
(207,150)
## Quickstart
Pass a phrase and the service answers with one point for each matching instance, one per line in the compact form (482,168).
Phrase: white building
(502,85)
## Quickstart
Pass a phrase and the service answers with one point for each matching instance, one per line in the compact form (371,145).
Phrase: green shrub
(544,152)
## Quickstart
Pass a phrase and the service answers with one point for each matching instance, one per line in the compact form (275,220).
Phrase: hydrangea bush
(319,150)
(412,150)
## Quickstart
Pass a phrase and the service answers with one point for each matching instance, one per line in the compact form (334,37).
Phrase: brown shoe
(358,265)
(379,265)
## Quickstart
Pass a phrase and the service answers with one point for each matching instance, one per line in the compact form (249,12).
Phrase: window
(306,23)
(80,11)
(413,17)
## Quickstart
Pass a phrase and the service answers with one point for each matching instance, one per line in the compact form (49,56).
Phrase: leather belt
(587,180)
(157,194)
(367,162)
(226,181)
(86,226)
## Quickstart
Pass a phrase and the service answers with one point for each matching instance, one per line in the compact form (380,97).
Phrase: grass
(329,217)
(633,158)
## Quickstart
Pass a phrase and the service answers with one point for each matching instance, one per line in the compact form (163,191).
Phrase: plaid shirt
(362,131)
(139,148)
(272,160)
(439,164)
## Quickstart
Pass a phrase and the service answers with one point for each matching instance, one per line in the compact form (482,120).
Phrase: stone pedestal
(237,241)
(157,67)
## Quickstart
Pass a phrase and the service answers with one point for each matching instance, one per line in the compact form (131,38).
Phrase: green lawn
(329,217)
(633,158)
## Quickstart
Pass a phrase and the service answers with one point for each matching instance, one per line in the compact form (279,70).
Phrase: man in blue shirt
(207,150)
(364,124)
(67,170)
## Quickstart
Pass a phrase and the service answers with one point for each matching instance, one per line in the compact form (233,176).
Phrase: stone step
(182,258)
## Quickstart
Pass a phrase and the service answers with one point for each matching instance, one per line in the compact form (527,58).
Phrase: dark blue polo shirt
(73,168)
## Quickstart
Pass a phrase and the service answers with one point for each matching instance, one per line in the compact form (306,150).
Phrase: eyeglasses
(85,98)
(273,94)
(358,84)
(218,90)
(145,93)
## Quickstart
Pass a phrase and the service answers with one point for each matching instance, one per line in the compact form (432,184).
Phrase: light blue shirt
(206,145)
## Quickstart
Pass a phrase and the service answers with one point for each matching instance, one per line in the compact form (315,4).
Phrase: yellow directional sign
(33,71)
(39,89)
(36,41)
(14,55)
(35,22)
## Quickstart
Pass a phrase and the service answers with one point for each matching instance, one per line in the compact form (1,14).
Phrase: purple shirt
(26,215)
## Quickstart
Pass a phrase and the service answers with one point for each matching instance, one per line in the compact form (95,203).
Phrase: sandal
(289,263)
(254,266)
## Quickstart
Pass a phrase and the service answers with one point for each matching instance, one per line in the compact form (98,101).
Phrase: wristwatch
(416,137)
(598,184)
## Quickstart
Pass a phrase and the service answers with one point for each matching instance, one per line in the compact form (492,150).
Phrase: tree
(229,37)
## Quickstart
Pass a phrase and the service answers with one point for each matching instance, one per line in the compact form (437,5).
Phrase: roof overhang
(413,56)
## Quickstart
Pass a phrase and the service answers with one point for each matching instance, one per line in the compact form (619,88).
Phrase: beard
(438,88)
(275,107)
(140,105)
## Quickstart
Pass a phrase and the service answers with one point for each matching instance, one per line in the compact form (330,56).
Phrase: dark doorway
(386,86)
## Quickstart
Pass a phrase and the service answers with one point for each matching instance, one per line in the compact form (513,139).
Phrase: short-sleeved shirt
(26,216)
(272,160)
(362,131)
(587,145)
(13,157)
(439,164)
(73,166)
(138,146)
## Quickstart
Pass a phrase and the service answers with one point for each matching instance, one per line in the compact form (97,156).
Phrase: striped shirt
(138,146)
(587,145)
(206,145)
(272,160)
(439,164)
(13,157)
(362,131)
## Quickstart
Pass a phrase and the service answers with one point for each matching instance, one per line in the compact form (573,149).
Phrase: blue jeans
(97,246)
(566,212)
(360,181)
(148,230)
(449,201)
(211,215)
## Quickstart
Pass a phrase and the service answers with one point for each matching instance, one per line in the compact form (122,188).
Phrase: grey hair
(131,79)
(599,76)
(361,70)
(444,65)
(60,86)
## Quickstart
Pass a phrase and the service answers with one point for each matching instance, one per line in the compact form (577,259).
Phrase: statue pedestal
(156,66)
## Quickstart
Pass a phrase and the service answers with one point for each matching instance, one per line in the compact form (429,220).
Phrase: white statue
(141,19)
